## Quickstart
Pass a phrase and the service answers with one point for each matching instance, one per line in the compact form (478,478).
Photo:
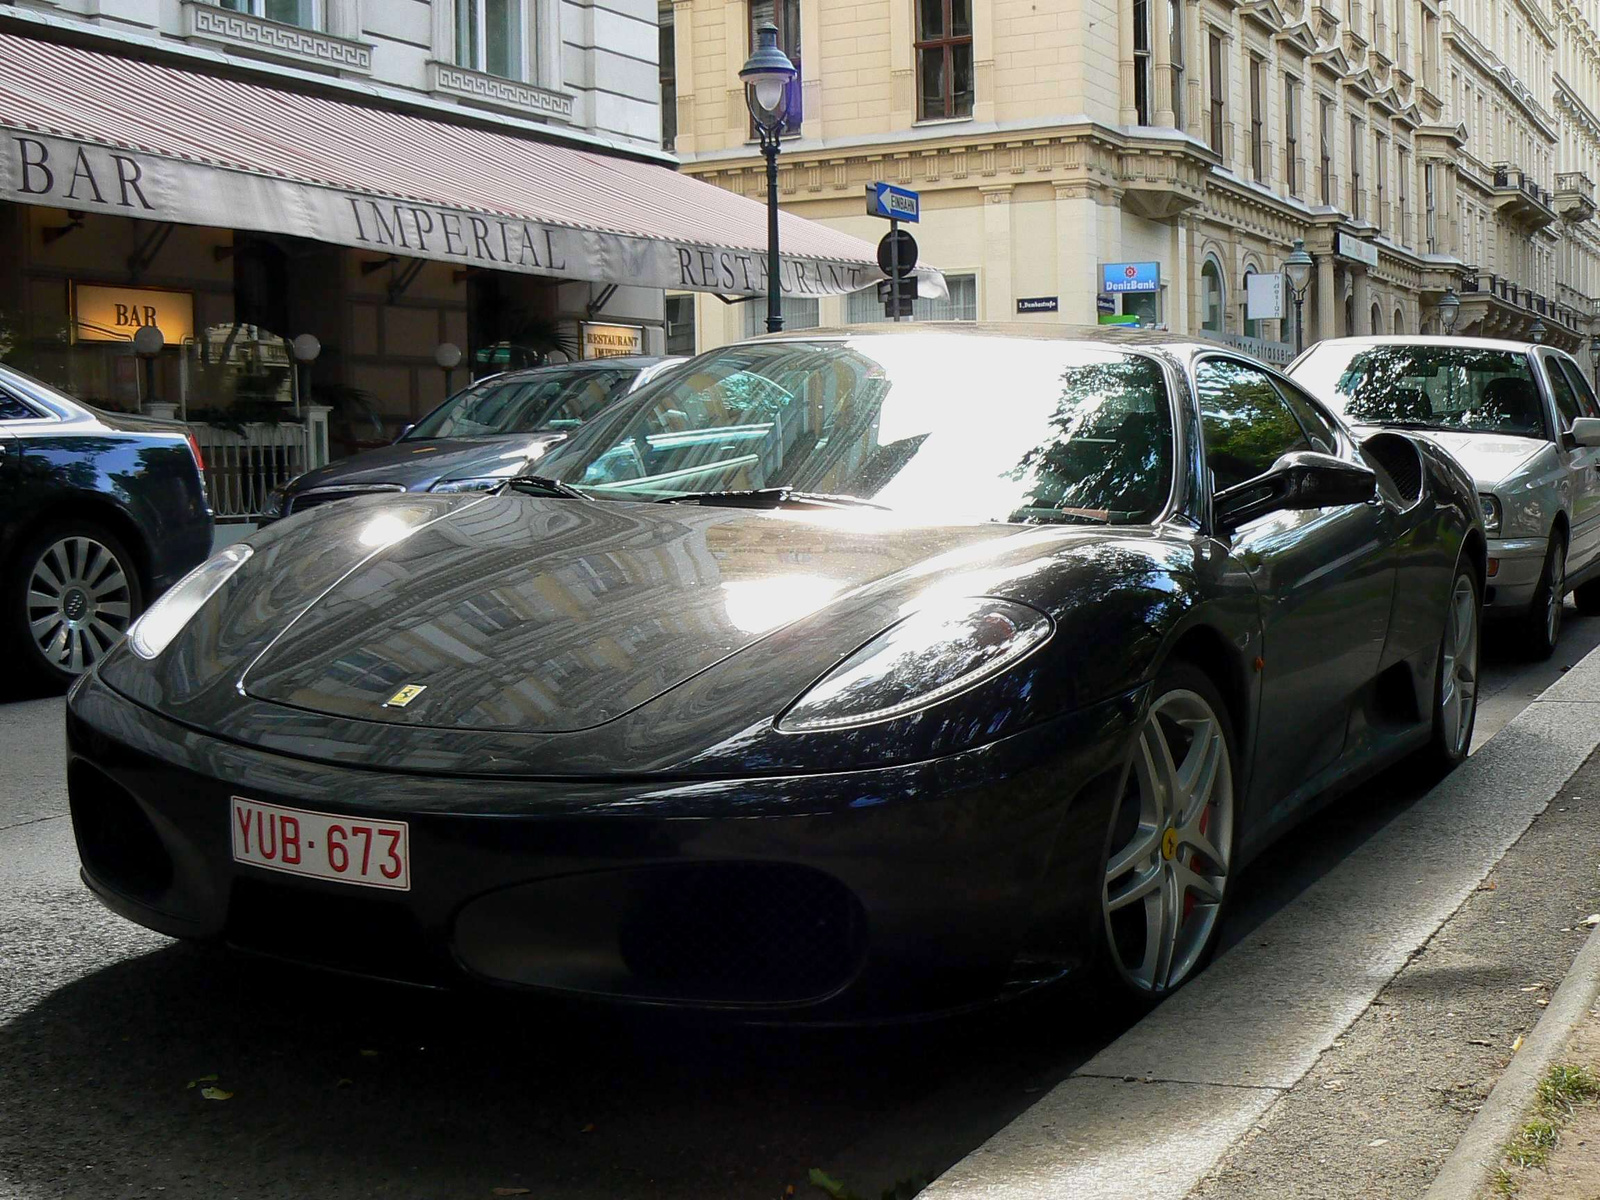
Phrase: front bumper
(907,889)
(1515,565)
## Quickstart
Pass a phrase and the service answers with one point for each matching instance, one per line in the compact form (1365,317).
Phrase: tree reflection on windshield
(949,427)
(1438,387)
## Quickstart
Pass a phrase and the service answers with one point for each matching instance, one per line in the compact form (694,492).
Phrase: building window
(1252,329)
(785,14)
(863,308)
(1218,91)
(798,313)
(1356,150)
(1291,135)
(1377,318)
(1325,151)
(1429,201)
(680,324)
(1211,296)
(1380,155)
(489,36)
(287,12)
(669,76)
(944,59)
(1402,196)
(1399,325)
(1258,104)
(1141,61)
(1175,23)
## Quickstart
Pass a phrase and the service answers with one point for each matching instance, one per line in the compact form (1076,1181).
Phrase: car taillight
(194,449)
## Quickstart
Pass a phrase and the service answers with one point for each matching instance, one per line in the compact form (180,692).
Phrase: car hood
(417,465)
(1487,457)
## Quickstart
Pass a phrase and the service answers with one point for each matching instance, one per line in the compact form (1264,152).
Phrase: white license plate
(322,845)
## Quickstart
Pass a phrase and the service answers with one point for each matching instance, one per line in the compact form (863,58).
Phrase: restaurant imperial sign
(90,177)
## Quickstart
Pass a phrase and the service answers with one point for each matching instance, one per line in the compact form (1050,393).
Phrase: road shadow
(344,1088)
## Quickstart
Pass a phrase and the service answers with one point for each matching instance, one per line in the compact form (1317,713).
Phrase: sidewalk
(1344,1048)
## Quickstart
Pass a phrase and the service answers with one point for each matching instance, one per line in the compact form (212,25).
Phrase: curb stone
(1477,1155)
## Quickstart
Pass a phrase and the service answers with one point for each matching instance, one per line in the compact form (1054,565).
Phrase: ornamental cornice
(1493,68)
(207,22)
(1569,100)
(450,80)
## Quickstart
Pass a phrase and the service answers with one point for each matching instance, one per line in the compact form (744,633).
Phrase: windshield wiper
(776,497)
(540,485)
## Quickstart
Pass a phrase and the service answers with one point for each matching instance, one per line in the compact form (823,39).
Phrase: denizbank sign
(89,177)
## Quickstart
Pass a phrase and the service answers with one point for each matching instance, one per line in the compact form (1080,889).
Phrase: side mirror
(1586,431)
(405,431)
(1299,480)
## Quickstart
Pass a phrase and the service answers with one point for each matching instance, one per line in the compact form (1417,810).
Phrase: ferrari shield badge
(405,695)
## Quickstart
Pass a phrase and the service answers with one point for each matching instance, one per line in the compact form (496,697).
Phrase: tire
(1542,625)
(72,590)
(1587,597)
(1164,868)
(1455,682)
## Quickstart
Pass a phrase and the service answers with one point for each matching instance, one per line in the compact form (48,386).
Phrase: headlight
(1491,515)
(480,484)
(925,658)
(162,621)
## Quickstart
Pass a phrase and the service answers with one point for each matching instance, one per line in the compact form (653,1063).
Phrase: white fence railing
(245,462)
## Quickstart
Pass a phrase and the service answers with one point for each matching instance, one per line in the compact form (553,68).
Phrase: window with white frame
(490,35)
(303,13)
(864,308)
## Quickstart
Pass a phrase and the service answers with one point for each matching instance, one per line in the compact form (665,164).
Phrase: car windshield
(952,428)
(546,399)
(1429,387)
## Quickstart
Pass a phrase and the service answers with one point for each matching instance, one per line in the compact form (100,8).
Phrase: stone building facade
(1417,146)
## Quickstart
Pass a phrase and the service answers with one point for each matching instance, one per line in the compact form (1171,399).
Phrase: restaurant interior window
(785,14)
(1141,60)
(287,12)
(863,307)
(1218,84)
(489,36)
(1211,296)
(669,75)
(944,59)
(680,324)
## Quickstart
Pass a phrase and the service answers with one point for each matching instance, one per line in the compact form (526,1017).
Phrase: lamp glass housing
(1298,266)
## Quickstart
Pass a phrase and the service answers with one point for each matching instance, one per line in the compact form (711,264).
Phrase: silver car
(1525,423)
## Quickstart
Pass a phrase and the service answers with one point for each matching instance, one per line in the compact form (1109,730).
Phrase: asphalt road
(341,1089)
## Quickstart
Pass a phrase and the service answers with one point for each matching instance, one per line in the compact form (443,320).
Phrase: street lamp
(767,77)
(305,349)
(448,356)
(1594,353)
(1298,267)
(147,344)
(1449,309)
(1537,334)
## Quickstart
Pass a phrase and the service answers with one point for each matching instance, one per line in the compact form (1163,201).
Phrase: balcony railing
(1574,196)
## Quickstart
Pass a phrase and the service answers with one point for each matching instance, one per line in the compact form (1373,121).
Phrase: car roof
(1458,343)
(1111,337)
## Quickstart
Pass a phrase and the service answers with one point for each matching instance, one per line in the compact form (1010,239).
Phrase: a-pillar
(1327,298)
(1361,299)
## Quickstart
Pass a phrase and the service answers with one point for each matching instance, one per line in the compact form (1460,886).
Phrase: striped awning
(96,132)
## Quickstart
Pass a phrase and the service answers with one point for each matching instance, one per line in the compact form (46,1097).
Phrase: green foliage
(904,1189)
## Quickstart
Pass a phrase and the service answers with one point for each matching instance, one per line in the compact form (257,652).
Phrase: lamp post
(147,344)
(448,356)
(1449,310)
(1298,267)
(1538,333)
(767,76)
(305,349)
(1594,355)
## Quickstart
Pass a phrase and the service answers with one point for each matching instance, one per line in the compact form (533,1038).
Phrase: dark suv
(480,437)
(99,513)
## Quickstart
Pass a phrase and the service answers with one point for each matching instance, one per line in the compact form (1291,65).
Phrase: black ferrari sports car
(834,674)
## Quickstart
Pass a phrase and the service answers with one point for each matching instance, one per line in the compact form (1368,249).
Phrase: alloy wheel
(1558,593)
(1458,687)
(1168,867)
(79,603)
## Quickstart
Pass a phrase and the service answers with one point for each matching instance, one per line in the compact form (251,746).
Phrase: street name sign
(1028,304)
(893,203)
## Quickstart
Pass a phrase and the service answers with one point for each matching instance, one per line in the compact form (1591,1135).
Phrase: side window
(1567,408)
(1246,425)
(1580,385)
(12,409)
(1312,419)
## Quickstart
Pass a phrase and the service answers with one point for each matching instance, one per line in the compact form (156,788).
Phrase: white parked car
(1523,420)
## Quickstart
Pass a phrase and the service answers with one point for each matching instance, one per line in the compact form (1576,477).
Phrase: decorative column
(902,66)
(1327,297)
(689,80)
(1077,254)
(1161,61)
(1128,112)
(997,288)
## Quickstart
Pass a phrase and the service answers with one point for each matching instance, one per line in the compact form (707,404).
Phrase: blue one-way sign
(894,203)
